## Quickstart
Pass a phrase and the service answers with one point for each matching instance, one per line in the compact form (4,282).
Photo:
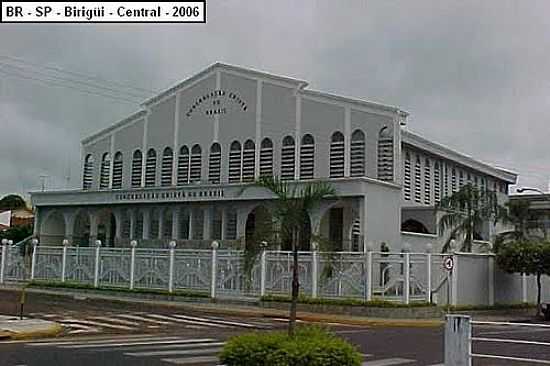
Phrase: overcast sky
(473,75)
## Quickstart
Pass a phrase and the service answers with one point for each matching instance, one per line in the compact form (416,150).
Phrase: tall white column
(224,222)
(132,214)
(191,223)
(161,224)
(207,223)
(176,223)
(146,223)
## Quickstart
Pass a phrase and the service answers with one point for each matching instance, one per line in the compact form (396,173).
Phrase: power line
(133,102)
(79,74)
(84,83)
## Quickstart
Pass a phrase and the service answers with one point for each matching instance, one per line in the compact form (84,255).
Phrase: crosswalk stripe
(181,320)
(140,343)
(129,338)
(81,331)
(91,322)
(191,360)
(387,362)
(204,351)
(142,318)
(114,320)
(225,322)
(171,345)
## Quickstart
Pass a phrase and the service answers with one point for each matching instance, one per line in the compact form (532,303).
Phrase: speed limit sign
(448,263)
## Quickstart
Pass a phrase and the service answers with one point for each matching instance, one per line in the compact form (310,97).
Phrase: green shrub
(311,346)
(345,302)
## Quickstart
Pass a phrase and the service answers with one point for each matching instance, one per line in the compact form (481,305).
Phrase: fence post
(523,288)
(429,249)
(64,259)
(314,270)
(491,280)
(458,346)
(407,277)
(263,268)
(96,271)
(369,276)
(3,259)
(215,245)
(171,267)
(133,245)
(33,257)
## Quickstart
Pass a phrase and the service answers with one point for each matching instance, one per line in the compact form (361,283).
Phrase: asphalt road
(124,334)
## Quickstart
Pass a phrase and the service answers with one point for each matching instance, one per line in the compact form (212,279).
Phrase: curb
(52,331)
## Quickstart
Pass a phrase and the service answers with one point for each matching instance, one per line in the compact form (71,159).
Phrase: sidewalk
(13,328)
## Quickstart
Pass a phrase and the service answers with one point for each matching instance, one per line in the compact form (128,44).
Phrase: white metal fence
(459,338)
(399,277)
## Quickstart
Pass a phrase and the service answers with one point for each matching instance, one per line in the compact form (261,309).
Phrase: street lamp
(525,189)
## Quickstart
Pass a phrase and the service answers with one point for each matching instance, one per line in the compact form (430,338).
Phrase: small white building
(175,169)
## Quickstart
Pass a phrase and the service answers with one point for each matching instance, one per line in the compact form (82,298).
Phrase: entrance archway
(81,232)
(259,227)
(52,230)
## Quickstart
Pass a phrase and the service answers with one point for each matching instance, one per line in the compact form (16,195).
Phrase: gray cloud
(474,76)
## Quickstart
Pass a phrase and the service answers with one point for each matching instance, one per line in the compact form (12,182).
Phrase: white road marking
(225,322)
(204,351)
(81,331)
(191,360)
(194,322)
(141,343)
(102,340)
(388,362)
(114,320)
(171,345)
(141,318)
(94,323)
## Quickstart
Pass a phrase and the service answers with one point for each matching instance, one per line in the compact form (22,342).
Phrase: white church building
(176,169)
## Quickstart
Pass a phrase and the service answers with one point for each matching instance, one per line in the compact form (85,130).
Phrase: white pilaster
(259,86)
(216,131)
(146,223)
(176,223)
(207,223)
(298,133)
(176,138)
(161,223)
(111,160)
(144,147)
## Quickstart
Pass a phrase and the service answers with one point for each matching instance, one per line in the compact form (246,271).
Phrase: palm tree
(518,215)
(465,211)
(291,208)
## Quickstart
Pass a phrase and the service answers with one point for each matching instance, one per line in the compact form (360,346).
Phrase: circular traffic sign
(448,263)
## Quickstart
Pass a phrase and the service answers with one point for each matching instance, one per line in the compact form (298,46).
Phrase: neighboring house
(539,212)
(175,170)
(17,217)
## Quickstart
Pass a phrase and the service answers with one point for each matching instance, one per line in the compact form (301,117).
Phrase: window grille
(167,167)
(150,168)
(427,182)
(337,153)
(417,181)
(88,172)
(117,171)
(357,154)
(307,157)
(215,164)
(183,166)
(407,177)
(437,183)
(104,173)
(249,158)
(137,167)
(453,180)
(385,155)
(195,164)
(460,179)
(288,159)
(266,158)
(235,158)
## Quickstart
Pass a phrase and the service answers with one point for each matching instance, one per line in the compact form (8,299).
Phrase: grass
(346,302)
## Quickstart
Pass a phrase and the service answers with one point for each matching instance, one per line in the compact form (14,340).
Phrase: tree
(12,202)
(528,257)
(519,215)
(465,211)
(291,208)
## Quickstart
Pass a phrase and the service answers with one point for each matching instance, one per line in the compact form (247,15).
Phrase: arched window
(167,167)
(407,177)
(117,171)
(196,164)
(445,180)
(307,157)
(336,161)
(104,172)
(437,182)
(235,162)
(150,168)
(453,180)
(88,172)
(288,158)
(183,166)
(427,182)
(385,154)
(266,158)
(137,166)
(249,158)
(215,163)
(357,154)
(417,181)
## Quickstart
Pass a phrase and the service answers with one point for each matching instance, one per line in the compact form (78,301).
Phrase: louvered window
(104,172)
(460,179)
(249,158)
(453,180)
(437,183)
(137,167)
(445,180)
(150,168)
(417,181)
(215,164)
(167,167)
(266,158)
(407,177)
(427,182)
(183,166)
(138,228)
(117,171)
(235,158)
(88,172)
(288,159)
(307,157)
(385,155)
(357,154)
(231,225)
(196,164)
(356,235)
(337,154)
